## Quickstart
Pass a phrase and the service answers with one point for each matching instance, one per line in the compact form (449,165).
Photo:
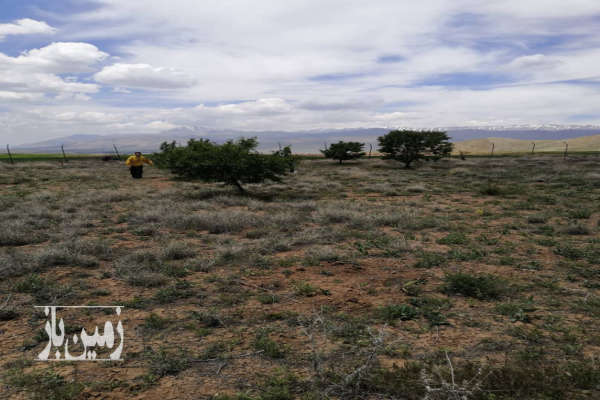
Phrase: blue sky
(110,66)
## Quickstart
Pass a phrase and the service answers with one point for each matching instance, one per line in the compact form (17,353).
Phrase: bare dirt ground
(476,278)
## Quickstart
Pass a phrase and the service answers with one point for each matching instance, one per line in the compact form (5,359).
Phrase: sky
(140,66)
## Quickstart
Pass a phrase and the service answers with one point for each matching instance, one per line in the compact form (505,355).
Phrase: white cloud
(7,95)
(160,126)
(59,57)
(259,107)
(25,26)
(36,72)
(24,81)
(143,76)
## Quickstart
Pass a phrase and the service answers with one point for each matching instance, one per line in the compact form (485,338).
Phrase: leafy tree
(233,162)
(408,146)
(437,145)
(286,154)
(344,151)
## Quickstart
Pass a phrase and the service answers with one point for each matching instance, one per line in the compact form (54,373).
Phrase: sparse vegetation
(337,283)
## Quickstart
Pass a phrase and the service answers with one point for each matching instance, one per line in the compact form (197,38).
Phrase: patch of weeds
(507,260)
(397,247)
(270,348)
(589,306)
(492,189)
(580,213)
(156,322)
(315,255)
(577,229)
(215,350)
(350,330)
(403,382)
(517,312)
(180,290)
(137,303)
(466,255)
(43,290)
(146,279)
(454,238)
(62,255)
(482,287)
(533,335)
(176,251)
(414,287)
(163,362)
(44,385)
(531,265)
(207,319)
(487,240)
(200,264)
(393,312)
(305,289)
(282,385)
(427,259)
(145,230)
(431,308)
(569,251)
(546,242)
(537,219)
(546,230)
(16,236)
(261,262)
(266,298)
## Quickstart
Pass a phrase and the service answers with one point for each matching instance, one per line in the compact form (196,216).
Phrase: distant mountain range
(301,141)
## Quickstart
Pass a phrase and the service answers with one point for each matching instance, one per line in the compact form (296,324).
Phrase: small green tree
(233,162)
(408,145)
(344,151)
(286,154)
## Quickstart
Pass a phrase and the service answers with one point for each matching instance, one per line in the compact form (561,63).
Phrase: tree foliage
(408,145)
(344,151)
(233,162)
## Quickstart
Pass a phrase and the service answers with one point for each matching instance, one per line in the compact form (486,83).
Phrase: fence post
(63,153)
(370,148)
(492,153)
(566,150)
(533,147)
(9,155)
(117,151)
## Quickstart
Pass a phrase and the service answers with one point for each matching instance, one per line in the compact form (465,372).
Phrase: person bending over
(136,164)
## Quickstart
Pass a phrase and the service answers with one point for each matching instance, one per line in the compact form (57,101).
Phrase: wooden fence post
(532,147)
(117,151)
(9,155)
(492,153)
(63,153)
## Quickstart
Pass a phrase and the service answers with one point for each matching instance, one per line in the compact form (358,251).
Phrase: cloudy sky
(111,66)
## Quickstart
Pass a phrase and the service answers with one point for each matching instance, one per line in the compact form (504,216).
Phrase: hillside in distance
(509,145)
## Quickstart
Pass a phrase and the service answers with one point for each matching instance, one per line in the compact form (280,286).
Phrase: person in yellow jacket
(136,164)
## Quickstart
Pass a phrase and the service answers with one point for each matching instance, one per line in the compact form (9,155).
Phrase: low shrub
(482,287)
